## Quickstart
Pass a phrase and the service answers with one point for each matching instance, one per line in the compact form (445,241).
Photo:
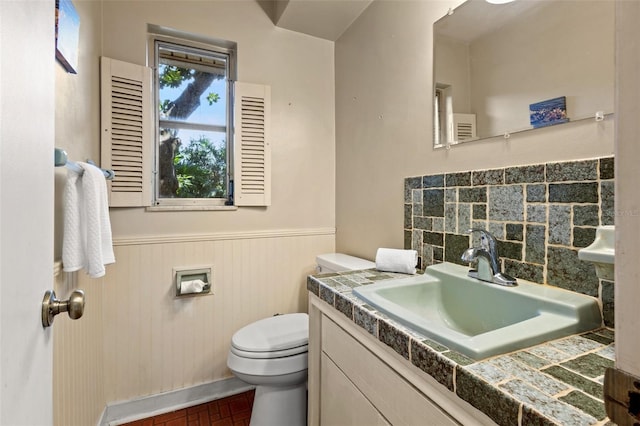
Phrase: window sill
(189,208)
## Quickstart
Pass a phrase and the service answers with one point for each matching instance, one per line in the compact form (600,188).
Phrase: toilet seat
(273,337)
(269,355)
(267,367)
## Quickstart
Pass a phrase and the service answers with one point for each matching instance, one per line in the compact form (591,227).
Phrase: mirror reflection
(503,68)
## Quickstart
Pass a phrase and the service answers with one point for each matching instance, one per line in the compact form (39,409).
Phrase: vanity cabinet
(356,380)
(342,403)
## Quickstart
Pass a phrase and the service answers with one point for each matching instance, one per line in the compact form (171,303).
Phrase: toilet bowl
(272,355)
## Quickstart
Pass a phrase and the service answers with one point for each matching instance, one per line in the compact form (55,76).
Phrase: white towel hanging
(87,241)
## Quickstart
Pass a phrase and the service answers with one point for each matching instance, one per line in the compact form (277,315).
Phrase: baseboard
(128,411)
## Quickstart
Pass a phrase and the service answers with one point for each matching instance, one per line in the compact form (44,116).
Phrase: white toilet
(272,355)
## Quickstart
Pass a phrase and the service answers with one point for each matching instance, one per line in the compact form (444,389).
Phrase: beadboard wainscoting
(136,339)
(78,359)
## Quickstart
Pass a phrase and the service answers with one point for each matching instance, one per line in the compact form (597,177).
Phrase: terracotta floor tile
(213,407)
(239,405)
(225,410)
(143,422)
(163,418)
(197,409)
(203,417)
(240,416)
(181,421)
(223,422)
(234,410)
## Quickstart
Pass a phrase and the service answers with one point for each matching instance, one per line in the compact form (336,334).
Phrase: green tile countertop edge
(559,382)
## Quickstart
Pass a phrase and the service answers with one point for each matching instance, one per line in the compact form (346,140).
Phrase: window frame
(220,49)
(438,112)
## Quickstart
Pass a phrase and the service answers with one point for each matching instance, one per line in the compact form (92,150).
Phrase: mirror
(504,68)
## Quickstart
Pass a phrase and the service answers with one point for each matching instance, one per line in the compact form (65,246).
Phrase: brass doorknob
(52,306)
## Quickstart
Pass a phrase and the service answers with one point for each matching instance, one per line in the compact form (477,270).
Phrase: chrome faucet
(486,257)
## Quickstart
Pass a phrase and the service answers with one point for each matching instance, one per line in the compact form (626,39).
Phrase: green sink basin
(481,319)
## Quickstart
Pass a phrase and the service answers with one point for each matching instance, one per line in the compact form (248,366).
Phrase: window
(437,117)
(210,134)
(442,114)
(193,92)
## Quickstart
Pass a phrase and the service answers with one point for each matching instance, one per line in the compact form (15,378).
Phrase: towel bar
(61,159)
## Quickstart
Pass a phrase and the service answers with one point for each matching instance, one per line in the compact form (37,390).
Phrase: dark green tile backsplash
(541,215)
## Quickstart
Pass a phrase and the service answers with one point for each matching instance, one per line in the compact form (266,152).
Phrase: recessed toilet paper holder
(192,281)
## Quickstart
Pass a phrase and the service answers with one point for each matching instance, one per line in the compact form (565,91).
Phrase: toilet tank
(339,262)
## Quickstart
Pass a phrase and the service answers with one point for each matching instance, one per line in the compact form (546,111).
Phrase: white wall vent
(464,127)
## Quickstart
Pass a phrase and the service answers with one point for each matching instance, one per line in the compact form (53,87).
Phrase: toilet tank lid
(343,262)
(275,333)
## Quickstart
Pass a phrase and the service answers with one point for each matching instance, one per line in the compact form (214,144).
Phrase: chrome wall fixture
(51,306)
(60,158)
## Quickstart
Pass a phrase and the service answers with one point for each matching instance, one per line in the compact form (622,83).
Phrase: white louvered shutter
(464,127)
(252,149)
(126,141)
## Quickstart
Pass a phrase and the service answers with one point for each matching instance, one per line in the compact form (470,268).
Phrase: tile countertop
(558,382)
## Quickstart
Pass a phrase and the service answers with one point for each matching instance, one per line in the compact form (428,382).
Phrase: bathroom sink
(480,319)
(602,252)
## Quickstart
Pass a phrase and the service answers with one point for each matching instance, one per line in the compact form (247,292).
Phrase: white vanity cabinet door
(398,401)
(341,403)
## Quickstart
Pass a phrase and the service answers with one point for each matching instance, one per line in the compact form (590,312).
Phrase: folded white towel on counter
(87,241)
(395,260)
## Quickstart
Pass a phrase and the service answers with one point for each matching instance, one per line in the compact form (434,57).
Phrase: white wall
(383,119)
(383,134)
(452,65)
(299,69)
(78,374)
(627,291)
(77,112)
(135,339)
(510,69)
(384,125)
(373,158)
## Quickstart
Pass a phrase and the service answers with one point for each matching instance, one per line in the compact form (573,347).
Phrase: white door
(26,209)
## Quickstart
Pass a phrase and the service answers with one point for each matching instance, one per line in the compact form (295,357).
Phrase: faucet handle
(489,248)
(480,230)
(487,240)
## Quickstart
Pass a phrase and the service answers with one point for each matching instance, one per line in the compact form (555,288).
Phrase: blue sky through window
(214,114)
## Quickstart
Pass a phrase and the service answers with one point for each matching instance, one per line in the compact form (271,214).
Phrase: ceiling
(326,19)
(474,18)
